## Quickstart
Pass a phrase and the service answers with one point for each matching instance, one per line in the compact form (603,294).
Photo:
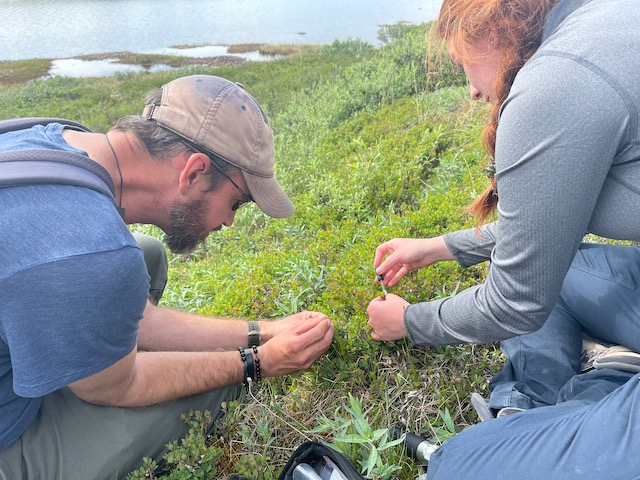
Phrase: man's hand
(300,341)
(271,328)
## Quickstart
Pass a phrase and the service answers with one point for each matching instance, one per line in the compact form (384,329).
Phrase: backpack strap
(14,124)
(29,167)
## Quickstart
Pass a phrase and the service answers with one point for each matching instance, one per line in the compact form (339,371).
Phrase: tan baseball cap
(223,119)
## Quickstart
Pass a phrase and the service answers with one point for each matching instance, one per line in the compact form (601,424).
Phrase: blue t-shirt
(73,287)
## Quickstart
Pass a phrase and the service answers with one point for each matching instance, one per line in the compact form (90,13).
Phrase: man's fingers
(310,325)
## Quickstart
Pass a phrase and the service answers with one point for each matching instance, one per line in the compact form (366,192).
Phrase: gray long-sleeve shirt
(568,163)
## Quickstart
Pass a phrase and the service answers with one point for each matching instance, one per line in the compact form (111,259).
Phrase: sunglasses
(246,198)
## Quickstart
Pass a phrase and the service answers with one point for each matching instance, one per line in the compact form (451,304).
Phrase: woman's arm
(559,132)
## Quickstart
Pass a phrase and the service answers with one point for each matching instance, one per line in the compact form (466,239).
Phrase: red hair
(515,28)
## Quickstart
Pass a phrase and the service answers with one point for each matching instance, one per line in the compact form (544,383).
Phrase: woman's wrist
(442,249)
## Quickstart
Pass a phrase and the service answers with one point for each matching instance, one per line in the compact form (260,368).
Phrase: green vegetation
(18,72)
(371,144)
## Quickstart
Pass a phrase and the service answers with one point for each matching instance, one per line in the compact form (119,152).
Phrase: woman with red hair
(563,79)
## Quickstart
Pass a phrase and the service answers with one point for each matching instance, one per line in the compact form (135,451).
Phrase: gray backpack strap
(24,123)
(29,167)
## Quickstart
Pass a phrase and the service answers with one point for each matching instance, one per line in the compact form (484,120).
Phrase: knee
(155,255)
(155,259)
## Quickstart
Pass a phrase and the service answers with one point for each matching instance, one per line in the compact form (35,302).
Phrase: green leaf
(392,443)
(351,439)
(320,429)
(448,421)
(362,427)
(371,461)
(356,404)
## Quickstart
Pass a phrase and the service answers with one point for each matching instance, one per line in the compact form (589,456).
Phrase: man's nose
(230,218)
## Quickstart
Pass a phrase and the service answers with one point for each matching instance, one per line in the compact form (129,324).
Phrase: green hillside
(371,144)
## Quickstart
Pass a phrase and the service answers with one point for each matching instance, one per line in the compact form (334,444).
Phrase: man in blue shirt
(94,376)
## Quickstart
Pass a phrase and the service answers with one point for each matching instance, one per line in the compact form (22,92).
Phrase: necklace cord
(113,151)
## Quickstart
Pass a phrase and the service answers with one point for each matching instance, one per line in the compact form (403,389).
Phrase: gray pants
(155,257)
(71,439)
(575,425)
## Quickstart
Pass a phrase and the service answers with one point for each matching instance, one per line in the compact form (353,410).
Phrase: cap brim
(269,195)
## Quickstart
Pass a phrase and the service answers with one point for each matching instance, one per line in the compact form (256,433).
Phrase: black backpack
(315,455)
(29,167)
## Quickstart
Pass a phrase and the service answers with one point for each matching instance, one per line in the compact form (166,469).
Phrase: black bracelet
(249,365)
(257,361)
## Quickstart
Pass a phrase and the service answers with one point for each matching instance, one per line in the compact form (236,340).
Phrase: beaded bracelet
(257,360)
(243,356)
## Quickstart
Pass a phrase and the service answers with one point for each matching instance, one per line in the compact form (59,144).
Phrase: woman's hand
(386,317)
(407,254)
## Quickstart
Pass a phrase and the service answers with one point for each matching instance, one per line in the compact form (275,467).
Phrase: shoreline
(14,72)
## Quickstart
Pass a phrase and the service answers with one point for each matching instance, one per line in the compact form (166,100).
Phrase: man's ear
(193,172)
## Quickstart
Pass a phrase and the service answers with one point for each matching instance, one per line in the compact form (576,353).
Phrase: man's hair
(162,144)
(513,26)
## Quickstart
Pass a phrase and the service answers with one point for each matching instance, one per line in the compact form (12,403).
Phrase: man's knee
(155,258)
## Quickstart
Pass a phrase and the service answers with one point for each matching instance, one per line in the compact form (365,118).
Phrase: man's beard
(187,231)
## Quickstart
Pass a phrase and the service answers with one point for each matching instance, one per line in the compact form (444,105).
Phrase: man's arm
(147,378)
(163,329)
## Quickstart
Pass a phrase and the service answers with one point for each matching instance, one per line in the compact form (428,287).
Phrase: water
(66,28)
